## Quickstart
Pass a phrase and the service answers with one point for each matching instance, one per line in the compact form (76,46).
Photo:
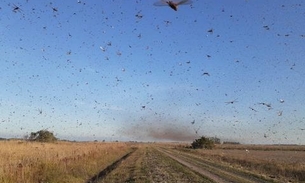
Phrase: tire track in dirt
(102,174)
(213,171)
(161,168)
(149,165)
(128,170)
(195,168)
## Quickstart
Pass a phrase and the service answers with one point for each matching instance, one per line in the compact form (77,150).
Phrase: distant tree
(203,142)
(42,136)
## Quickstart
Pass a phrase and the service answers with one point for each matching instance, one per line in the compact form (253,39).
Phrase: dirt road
(155,164)
(219,173)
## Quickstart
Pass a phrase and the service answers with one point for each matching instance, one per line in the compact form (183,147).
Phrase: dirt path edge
(102,174)
(195,168)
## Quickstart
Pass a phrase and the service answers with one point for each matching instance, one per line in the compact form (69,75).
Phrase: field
(31,162)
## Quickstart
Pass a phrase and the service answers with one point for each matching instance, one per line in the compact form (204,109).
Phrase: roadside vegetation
(203,143)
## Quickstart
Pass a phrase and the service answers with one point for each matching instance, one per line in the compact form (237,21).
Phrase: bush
(42,136)
(203,142)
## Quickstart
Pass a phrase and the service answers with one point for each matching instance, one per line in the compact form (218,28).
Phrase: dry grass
(283,162)
(262,147)
(28,162)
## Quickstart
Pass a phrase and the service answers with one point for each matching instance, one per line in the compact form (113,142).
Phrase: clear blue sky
(129,70)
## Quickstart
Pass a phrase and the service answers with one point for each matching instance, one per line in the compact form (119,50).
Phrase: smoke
(159,131)
(172,133)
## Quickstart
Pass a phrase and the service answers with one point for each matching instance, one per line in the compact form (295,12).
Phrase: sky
(130,70)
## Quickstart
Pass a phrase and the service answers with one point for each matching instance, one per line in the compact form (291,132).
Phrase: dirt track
(153,164)
(216,172)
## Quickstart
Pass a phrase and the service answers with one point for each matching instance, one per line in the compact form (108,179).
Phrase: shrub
(203,142)
(42,136)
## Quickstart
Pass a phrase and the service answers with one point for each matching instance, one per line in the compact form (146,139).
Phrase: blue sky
(129,70)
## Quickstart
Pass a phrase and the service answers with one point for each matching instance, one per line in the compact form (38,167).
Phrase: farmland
(28,162)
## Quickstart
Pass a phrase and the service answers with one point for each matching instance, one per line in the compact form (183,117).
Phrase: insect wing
(184,2)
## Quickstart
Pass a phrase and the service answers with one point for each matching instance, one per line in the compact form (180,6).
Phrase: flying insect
(173,4)
(16,8)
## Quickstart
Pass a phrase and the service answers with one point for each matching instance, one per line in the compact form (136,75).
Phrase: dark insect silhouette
(265,104)
(253,109)
(206,73)
(173,4)
(16,8)
(210,31)
(54,9)
(40,111)
(231,102)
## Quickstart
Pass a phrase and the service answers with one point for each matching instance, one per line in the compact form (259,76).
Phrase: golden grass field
(35,162)
(29,162)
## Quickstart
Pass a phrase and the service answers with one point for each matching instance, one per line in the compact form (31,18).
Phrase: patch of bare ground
(147,164)
(214,170)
